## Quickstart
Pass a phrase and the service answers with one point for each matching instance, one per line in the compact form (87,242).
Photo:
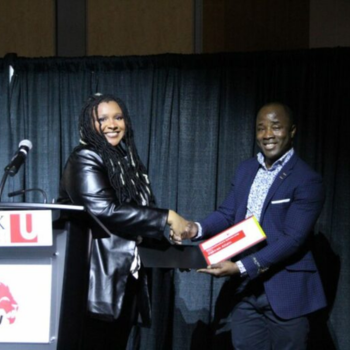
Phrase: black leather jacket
(85,182)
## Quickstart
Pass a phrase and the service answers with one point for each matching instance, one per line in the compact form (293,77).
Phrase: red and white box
(232,241)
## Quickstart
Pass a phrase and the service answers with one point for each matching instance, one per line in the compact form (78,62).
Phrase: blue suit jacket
(291,208)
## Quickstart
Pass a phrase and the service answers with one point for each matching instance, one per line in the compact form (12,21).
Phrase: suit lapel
(282,175)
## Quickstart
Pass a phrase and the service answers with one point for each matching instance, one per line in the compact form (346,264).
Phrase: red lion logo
(8,305)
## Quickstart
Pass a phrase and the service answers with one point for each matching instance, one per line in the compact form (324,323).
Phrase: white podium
(44,273)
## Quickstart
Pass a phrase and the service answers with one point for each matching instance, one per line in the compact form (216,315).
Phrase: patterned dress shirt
(262,183)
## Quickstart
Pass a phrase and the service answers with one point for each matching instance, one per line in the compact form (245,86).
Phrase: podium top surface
(41,206)
(95,224)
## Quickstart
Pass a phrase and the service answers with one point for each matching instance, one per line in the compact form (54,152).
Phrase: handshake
(180,228)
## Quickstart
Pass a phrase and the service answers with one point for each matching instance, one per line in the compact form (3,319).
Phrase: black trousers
(254,325)
(112,335)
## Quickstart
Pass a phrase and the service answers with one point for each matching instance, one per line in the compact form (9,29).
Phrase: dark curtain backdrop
(194,118)
(6,144)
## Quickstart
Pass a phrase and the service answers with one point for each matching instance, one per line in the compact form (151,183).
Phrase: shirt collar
(279,162)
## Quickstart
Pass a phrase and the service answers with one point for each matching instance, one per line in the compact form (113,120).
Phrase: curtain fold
(194,119)
(6,144)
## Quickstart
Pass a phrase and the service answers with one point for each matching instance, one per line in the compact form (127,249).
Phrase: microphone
(18,159)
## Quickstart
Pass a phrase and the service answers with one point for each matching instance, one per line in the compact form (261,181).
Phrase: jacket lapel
(282,175)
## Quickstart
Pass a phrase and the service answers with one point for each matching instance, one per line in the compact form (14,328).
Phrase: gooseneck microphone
(20,192)
(19,158)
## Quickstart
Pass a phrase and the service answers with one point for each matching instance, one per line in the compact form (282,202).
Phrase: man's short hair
(287,110)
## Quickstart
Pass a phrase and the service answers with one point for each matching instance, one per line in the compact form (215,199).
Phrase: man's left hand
(225,268)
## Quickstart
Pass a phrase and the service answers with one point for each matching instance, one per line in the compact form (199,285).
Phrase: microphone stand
(3,181)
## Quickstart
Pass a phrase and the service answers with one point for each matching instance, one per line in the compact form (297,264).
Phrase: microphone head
(26,143)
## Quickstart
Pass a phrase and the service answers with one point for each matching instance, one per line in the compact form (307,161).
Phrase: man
(282,284)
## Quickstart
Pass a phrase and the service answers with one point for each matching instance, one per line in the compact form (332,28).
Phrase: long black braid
(127,174)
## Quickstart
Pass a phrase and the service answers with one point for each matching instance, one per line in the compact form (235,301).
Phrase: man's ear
(293,130)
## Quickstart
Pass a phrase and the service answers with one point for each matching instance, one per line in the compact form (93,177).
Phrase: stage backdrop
(193,117)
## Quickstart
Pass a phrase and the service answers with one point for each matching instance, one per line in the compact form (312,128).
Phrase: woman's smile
(110,122)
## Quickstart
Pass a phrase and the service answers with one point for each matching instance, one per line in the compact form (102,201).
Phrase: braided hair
(127,174)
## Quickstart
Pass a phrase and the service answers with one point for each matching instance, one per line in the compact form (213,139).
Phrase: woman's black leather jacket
(85,182)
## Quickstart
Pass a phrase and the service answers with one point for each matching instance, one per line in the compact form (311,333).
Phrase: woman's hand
(178,226)
(225,268)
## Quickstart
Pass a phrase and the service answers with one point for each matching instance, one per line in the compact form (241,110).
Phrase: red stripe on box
(223,244)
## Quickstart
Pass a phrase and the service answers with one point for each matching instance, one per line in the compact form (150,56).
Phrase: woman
(105,174)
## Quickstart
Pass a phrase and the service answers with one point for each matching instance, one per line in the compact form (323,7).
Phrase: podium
(44,274)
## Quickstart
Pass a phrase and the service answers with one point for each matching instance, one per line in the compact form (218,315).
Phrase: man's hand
(190,232)
(225,268)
